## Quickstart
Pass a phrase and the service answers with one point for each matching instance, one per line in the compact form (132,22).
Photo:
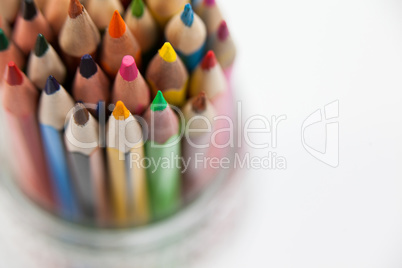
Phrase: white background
(294,58)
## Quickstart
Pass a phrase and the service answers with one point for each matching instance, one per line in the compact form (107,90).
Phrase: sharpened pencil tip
(75,8)
(209,61)
(159,103)
(41,45)
(223,31)
(137,8)
(28,9)
(87,66)
(81,115)
(13,74)
(199,103)
(187,16)
(3,40)
(128,69)
(167,52)
(120,112)
(51,85)
(209,2)
(117,26)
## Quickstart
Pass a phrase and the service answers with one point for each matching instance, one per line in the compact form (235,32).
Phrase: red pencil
(8,52)
(20,103)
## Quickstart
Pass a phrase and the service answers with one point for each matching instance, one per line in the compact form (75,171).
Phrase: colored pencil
(5,26)
(196,3)
(20,104)
(56,13)
(130,87)
(41,4)
(117,43)
(102,10)
(223,46)
(163,10)
(90,84)
(166,72)
(9,9)
(43,62)
(208,77)
(8,52)
(210,14)
(87,164)
(187,34)
(163,145)
(55,104)
(125,3)
(142,25)
(79,35)
(28,25)
(127,179)
(199,125)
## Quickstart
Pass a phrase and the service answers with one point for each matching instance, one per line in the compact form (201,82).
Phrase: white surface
(294,58)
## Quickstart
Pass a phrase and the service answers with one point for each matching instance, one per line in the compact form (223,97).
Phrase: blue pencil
(55,105)
(187,34)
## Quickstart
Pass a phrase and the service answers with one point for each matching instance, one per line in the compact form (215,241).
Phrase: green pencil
(162,150)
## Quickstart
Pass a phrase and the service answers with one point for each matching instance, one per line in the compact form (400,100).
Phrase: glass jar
(32,237)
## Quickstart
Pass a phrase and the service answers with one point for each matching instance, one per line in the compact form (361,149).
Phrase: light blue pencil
(55,105)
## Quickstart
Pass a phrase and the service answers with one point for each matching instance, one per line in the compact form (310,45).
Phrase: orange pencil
(20,103)
(79,35)
(28,25)
(8,52)
(90,84)
(118,41)
(102,10)
(56,13)
(130,87)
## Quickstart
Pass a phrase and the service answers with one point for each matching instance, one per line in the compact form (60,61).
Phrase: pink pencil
(130,87)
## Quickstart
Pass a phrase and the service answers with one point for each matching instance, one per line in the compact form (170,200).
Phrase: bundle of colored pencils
(93,120)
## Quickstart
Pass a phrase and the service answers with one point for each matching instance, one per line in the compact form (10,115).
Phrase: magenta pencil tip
(223,31)
(128,68)
(209,2)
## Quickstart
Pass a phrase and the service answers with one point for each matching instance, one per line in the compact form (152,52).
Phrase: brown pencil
(90,84)
(20,103)
(56,13)
(9,9)
(118,41)
(102,10)
(79,35)
(130,87)
(43,62)
(28,25)
(8,52)
(5,26)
